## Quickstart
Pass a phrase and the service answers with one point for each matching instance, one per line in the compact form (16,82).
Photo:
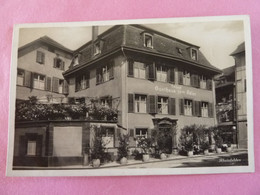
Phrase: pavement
(235,158)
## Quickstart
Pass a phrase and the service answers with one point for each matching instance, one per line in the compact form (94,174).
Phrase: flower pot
(190,153)
(96,163)
(163,156)
(123,161)
(85,160)
(206,152)
(229,149)
(175,151)
(219,150)
(146,157)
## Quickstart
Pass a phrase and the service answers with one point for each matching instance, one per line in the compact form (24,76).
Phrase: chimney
(94,33)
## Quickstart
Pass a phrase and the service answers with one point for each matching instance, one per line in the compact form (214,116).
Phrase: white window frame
(163,102)
(187,107)
(61,86)
(161,73)
(105,73)
(140,104)
(108,139)
(143,132)
(151,39)
(37,82)
(139,70)
(97,49)
(204,109)
(186,77)
(194,51)
(203,82)
(31,148)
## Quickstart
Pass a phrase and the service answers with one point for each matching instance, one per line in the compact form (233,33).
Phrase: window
(75,60)
(31,148)
(148,41)
(203,82)
(97,48)
(20,77)
(39,81)
(186,77)
(141,132)
(82,82)
(188,107)
(204,109)
(40,57)
(108,136)
(140,103)
(161,73)
(194,54)
(58,63)
(106,102)
(61,86)
(162,105)
(105,73)
(139,70)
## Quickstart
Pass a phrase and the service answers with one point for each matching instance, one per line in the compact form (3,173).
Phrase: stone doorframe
(173,123)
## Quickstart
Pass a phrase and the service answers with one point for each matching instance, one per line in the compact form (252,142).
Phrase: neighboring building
(240,79)
(40,67)
(154,80)
(226,105)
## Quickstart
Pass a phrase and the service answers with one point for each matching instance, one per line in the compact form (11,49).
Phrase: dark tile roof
(228,71)
(239,49)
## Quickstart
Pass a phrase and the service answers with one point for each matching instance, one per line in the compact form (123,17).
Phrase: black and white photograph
(132,97)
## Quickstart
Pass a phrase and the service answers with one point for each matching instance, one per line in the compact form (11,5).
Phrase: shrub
(123,146)
(98,148)
(145,144)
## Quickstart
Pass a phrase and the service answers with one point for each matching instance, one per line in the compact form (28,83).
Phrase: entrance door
(165,138)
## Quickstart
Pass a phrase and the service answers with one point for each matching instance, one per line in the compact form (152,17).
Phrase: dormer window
(148,40)
(194,54)
(97,48)
(75,60)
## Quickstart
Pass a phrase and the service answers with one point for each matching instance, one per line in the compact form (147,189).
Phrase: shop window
(20,77)
(140,103)
(186,77)
(97,48)
(162,105)
(40,57)
(161,73)
(31,148)
(141,133)
(204,109)
(194,54)
(38,81)
(203,82)
(148,40)
(188,107)
(59,63)
(108,134)
(139,70)
(82,81)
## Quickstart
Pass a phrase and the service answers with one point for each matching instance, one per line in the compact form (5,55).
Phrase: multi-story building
(226,105)
(40,67)
(241,107)
(157,82)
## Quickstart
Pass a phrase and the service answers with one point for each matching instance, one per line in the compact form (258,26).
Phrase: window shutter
(196,80)
(210,110)
(130,103)
(130,68)
(48,84)
(32,80)
(27,78)
(98,76)
(131,133)
(172,106)
(54,62)
(22,145)
(192,80)
(151,71)
(194,109)
(65,87)
(63,65)
(111,70)
(43,58)
(180,77)
(171,75)
(38,57)
(77,84)
(209,84)
(87,79)
(55,84)
(199,108)
(181,106)
(152,104)
(39,145)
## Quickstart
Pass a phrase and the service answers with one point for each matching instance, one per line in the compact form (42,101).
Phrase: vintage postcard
(135,97)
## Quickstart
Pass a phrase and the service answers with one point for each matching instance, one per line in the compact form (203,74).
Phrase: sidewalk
(139,162)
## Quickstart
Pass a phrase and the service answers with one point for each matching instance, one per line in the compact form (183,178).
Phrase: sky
(216,39)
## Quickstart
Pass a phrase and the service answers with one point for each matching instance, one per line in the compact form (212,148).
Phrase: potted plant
(219,143)
(205,147)
(145,145)
(98,149)
(229,147)
(189,147)
(123,148)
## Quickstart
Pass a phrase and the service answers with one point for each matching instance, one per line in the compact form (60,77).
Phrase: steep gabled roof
(239,49)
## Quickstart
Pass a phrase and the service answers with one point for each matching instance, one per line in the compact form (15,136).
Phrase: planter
(219,150)
(146,157)
(190,153)
(206,152)
(85,160)
(123,161)
(96,163)
(163,156)
(175,151)
(229,149)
